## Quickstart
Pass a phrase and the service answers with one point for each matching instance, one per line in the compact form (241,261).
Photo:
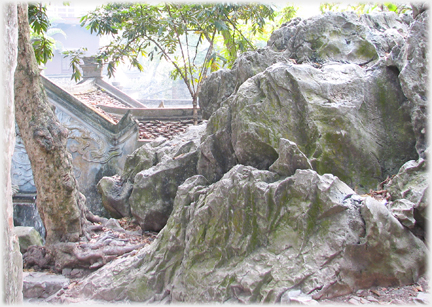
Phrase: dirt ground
(417,293)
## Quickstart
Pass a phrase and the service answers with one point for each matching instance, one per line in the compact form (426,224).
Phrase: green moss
(312,216)
(366,51)
(324,227)
(316,44)
(329,51)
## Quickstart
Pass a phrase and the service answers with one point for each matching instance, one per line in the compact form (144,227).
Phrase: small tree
(61,206)
(45,142)
(182,34)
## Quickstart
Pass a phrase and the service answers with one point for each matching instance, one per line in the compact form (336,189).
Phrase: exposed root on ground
(103,241)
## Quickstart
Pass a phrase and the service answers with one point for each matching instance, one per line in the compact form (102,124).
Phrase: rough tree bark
(12,261)
(63,210)
(58,200)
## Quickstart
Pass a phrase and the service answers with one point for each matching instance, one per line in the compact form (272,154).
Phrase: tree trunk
(195,108)
(12,260)
(60,204)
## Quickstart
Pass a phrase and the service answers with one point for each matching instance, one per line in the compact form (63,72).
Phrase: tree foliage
(175,32)
(75,60)
(41,33)
(182,34)
(365,7)
(39,24)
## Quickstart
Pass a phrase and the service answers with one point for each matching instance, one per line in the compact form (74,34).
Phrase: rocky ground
(417,293)
(39,285)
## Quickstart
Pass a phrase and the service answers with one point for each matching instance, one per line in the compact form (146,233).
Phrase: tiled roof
(95,96)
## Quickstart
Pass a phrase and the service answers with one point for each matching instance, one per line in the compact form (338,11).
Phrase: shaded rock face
(409,195)
(152,174)
(27,214)
(27,236)
(411,60)
(255,235)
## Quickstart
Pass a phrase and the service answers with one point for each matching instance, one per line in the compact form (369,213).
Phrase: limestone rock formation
(115,195)
(348,121)
(411,59)
(332,37)
(254,235)
(297,132)
(409,194)
(152,174)
(323,84)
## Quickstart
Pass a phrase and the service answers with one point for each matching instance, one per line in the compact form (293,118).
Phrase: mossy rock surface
(27,236)
(358,128)
(254,235)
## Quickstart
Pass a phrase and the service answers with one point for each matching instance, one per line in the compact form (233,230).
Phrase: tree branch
(241,33)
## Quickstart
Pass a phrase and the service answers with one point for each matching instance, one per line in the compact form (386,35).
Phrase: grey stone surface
(42,285)
(155,188)
(409,193)
(149,182)
(378,44)
(115,196)
(253,236)
(27,236)
(410,59)
(290,159)
(339,37)
(339,116)
(403,210)
(26,214)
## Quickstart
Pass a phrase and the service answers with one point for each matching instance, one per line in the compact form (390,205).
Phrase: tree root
(97,247)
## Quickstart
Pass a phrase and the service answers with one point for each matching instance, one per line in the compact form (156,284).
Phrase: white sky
(307,8)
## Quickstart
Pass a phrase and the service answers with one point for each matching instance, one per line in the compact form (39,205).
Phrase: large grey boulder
(326,83)
(116,190)
(150,179)
(411,59)
(154,190)
(348,121)
(255,236)
(27,236)
(341,37)
(115,193)
(409,194)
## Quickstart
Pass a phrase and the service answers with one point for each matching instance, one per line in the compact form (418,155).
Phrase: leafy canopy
(182,34)
(39,24)
(41,33)
(365,7)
